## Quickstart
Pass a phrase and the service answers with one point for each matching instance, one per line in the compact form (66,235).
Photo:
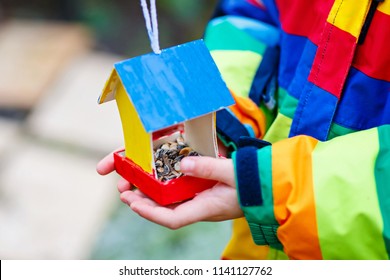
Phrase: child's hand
(216,204)
(106,165)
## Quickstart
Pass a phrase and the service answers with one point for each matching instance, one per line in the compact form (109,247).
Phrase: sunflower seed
(167,158)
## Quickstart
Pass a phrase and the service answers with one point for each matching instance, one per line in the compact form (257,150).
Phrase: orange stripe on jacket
(248,112)
(293,193)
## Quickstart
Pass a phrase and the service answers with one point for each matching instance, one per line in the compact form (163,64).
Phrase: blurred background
(55,57)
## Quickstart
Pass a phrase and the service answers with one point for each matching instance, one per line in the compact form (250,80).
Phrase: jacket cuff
(229,128)
(253,172)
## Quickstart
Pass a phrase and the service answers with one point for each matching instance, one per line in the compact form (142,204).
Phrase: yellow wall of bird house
(138,143)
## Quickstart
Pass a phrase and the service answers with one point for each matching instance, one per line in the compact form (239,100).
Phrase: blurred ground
(53,64)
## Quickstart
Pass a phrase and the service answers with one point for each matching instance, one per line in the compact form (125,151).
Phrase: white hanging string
(151,24)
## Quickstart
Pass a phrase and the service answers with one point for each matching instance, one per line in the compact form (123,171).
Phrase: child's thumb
(209,168)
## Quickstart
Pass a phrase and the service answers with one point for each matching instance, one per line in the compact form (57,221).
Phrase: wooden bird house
(161,97)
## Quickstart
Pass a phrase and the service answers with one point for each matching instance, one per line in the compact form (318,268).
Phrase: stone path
(53,203)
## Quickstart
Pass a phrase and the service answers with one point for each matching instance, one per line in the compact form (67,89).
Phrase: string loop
(151,24)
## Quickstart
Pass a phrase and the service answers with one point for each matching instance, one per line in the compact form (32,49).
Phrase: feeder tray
(164,193)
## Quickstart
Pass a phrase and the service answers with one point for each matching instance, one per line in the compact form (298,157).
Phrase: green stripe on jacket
(349,219)
(382,176)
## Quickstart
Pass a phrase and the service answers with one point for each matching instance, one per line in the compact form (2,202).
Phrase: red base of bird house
(164,193)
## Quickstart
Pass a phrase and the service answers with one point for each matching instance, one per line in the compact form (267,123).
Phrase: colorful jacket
(312,78)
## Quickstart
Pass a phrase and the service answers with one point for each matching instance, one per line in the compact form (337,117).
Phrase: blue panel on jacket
(179,84)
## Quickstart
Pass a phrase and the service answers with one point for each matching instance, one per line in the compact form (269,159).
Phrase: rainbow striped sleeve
(246,52)
(319,200)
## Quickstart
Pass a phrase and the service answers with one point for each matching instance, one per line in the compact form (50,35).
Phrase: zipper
(368,20)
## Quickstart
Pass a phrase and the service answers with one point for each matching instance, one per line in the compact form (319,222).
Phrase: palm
(216,204)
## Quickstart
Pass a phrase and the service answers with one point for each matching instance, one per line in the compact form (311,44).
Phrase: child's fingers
(124,185)
(164,216)
(106,165)
(129,197)
(171,217)
(148,209)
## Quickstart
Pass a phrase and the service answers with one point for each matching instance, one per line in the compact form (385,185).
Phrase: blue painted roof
(179,84)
